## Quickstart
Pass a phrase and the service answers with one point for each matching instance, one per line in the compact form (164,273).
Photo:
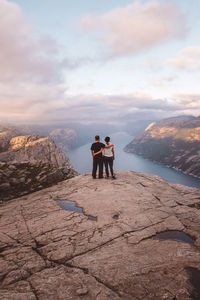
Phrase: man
(97,159)
(96,150)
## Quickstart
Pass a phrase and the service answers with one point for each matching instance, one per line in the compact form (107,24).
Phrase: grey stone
(60,254)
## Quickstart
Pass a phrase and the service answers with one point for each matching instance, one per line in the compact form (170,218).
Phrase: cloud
(94,108)
(32,68)
(31,85)
(115,108)
(22,55)
(163,80)
(189,101)
(31,76)
(187,59)
(131,29)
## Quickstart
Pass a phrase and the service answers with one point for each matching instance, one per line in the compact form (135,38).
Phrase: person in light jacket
(108,157)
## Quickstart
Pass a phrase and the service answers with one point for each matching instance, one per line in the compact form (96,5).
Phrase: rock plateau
(47,253)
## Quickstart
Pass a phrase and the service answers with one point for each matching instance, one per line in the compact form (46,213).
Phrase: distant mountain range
(65,138)
(174,142)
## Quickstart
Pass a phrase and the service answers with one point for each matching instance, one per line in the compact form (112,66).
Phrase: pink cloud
(22,56)
(187,59)
(131,29)
(31,73)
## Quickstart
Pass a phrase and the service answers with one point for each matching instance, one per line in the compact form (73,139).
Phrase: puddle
(174,235)
(71,206)
(194,278)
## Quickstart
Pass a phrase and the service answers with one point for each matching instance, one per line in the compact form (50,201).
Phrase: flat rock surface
(50,253)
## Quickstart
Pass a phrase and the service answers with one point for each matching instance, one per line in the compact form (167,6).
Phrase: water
(194,279)
(174,235)
(82,161)
(71,206)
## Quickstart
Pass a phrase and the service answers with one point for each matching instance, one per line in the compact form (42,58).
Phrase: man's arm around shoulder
(109,146)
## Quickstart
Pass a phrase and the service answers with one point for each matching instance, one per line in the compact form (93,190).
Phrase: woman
(108,157)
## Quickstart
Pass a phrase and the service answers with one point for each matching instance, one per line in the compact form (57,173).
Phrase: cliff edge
(29,163)
(109,243)
(174,142)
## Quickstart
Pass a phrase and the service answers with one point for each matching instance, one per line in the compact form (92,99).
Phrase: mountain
(143,241)
(65,138)
(5,135)
(29,163)
(174,142)
(81,133)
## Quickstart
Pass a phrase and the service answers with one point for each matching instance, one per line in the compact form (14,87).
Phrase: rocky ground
(17,179)
(50,253)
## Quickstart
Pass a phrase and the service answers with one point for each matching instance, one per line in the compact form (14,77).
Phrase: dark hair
(97,137)
(107,139)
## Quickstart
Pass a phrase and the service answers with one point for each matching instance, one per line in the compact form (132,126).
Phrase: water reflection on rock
(174,235)
(71,206)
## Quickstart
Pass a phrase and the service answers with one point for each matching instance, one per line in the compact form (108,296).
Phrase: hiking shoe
(113,177)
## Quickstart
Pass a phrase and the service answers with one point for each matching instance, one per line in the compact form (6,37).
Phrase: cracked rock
(48,253)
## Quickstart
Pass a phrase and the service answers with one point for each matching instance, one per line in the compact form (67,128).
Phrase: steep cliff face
(51,253)
(174,142)
(65,139)
(35,148)
(31,163)
(5,135)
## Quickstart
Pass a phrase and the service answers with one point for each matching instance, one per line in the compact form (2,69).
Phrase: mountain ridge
(174,142)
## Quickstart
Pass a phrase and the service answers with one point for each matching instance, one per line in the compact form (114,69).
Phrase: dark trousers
(97,162)
(108,161)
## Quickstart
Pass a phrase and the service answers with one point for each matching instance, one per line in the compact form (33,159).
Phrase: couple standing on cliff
(98,159)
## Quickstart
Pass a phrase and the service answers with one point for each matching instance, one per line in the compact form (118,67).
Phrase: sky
(98,61)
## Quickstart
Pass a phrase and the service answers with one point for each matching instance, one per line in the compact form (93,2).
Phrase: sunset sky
(98,61)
